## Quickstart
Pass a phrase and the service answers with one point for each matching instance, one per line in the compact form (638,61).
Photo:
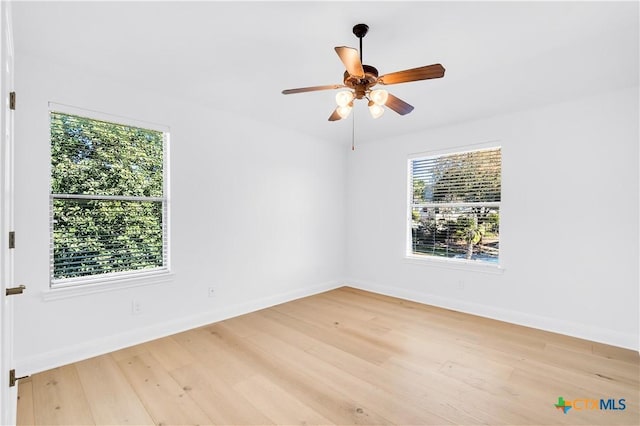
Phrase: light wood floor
(341,357)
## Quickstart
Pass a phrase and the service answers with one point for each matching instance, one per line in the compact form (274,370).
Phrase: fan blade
(335,116)
(312,89)
(351,60)
(414,74)
(398,105)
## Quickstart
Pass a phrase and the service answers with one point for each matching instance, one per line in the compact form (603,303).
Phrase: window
(455,205)
(108,200)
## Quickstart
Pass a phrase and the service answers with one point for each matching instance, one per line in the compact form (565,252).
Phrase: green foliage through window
(107,197)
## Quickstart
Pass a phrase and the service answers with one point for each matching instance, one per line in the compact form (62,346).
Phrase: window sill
(457,264)
(107,284)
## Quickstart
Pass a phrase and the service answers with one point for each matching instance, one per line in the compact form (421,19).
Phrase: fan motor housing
(361,85)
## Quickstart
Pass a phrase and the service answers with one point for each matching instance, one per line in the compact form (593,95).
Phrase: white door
(8,395)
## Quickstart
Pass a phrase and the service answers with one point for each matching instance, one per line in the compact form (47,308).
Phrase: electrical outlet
(136,307)
(460,284)
(212,292)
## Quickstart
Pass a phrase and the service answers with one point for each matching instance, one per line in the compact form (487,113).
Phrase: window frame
(122,279)
(441,261)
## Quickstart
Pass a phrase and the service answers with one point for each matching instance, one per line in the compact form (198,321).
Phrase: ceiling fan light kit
(344,98)
(375,109)
(359,79)
(379,96)
(345,110)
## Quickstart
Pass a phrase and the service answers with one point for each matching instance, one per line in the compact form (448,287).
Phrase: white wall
(254,214)
(569,220)
(262,214)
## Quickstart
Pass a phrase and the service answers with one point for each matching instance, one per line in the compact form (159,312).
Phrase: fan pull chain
(353,131)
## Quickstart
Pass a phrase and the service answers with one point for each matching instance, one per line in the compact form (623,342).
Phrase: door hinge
(13,379)
(12,239)
(15,290)
(12,100)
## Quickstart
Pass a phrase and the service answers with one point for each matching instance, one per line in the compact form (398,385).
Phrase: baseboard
(568,328)
(96,347)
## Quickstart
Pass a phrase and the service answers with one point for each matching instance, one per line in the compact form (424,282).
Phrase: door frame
(8,395)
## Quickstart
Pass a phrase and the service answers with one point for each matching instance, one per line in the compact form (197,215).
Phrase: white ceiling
(499,56)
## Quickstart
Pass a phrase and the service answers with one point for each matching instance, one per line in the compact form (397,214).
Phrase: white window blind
(108,199)
(455,205)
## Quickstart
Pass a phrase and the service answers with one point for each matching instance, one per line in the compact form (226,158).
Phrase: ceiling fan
(359,79)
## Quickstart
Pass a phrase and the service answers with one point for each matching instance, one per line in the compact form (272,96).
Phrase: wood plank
(169,353)
(129,352)
(25,413)
(58,398)
(206,345)
(164,399)
(217,398)
(612,352)
(111,398)
(277,404)
(598,366)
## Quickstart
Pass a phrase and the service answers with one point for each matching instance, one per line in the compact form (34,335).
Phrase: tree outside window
(108,202)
